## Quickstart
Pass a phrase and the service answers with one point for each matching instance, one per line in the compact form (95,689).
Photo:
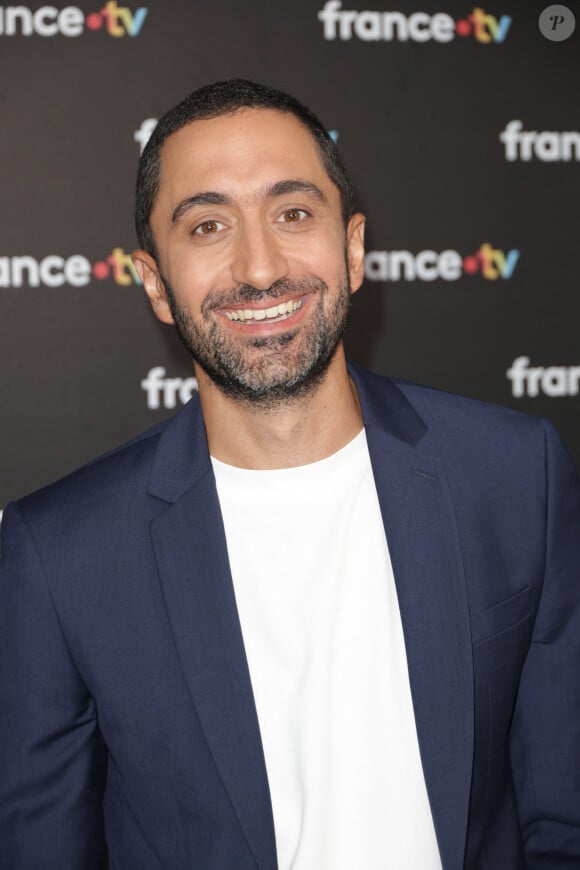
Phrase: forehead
(239,154)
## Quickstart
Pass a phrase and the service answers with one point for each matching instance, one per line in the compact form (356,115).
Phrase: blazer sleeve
(545,734)
(52,758)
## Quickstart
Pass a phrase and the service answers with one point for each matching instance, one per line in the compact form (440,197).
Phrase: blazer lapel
(190,548)
(424,548)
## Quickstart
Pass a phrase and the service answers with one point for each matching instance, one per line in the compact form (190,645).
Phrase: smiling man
(255,254)
(320,620)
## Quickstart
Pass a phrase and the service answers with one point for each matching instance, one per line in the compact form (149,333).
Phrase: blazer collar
(385,407)
(182,455)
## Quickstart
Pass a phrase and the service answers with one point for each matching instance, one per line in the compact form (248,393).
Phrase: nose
(258,257)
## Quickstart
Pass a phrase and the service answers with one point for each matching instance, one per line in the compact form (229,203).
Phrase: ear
(148,272)
(355,250)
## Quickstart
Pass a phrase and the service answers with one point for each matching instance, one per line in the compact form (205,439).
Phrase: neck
(303,431)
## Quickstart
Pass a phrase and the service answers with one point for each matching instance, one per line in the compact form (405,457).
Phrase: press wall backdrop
(460,125)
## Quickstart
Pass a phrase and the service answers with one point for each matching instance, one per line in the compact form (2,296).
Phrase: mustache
(243,293)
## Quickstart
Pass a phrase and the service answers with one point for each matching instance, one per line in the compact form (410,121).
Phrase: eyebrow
(279,188)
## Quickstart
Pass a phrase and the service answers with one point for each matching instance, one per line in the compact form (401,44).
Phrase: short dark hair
(222,98)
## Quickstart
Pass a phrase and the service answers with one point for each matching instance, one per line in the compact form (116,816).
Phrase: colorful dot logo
(117,20)
(101,270)
(485,28)
(119,266)
(470,265)
(94,21)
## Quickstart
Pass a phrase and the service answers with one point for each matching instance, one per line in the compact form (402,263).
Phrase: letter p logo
(557,23)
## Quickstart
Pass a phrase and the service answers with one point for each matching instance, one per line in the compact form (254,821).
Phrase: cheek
(191,279)
(324,257)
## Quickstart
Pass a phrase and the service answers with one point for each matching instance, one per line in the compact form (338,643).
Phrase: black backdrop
(418,94)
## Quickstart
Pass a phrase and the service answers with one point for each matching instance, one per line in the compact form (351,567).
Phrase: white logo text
(553,381)
(547,145)
(163,392)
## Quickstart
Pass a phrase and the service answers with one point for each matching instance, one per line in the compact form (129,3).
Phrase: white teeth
(277,312)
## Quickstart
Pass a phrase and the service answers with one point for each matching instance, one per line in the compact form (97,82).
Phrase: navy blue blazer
(126,709)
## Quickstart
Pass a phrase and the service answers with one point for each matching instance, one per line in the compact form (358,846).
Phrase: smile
(273,314)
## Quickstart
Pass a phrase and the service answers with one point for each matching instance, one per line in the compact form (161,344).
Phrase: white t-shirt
(322,631)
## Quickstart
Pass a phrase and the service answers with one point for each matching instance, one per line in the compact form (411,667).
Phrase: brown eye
(294,215)
(208,228)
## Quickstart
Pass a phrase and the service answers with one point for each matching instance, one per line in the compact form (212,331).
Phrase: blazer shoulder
(441,408)
(456,425)
(108,476)
(484,429)
(435,403)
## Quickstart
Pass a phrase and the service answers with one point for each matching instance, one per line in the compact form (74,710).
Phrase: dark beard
(281,374)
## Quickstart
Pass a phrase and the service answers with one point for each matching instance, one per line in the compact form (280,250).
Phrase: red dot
(101,270)
(470,265)
(463,27)
(94,21)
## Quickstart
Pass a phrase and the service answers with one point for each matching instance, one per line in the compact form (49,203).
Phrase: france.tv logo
(449,265)
(75,270)
(380,26)
(71,21)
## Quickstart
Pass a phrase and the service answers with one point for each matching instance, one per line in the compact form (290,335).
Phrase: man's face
(255,267)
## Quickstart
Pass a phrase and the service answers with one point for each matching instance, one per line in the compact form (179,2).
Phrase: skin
(259,235)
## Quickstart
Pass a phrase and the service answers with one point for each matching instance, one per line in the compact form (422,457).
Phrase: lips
(273,314)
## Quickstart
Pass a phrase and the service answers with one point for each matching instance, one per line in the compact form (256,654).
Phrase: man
(319,620)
